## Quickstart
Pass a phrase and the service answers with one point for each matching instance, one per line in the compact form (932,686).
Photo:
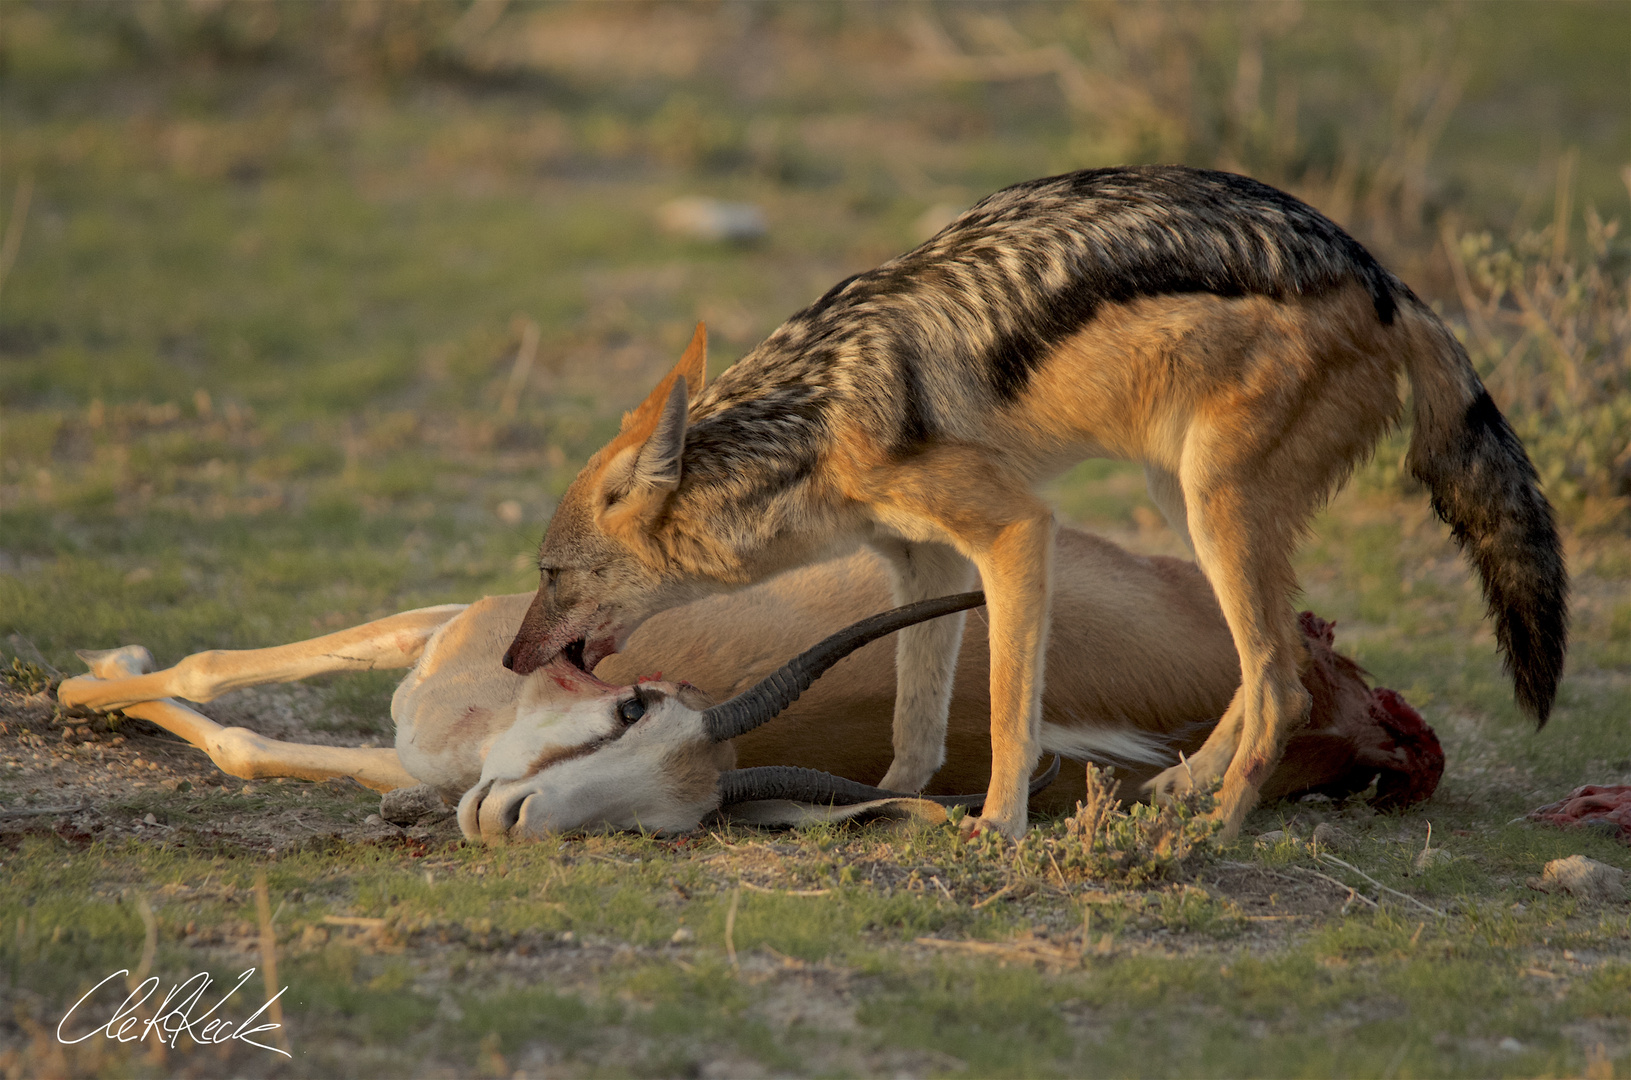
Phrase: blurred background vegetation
(308,311)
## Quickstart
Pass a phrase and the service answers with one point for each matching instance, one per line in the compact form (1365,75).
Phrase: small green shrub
(29,678)
(1139,844)
(1551,334)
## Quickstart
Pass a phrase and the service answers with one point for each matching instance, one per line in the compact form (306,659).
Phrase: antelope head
(656,755)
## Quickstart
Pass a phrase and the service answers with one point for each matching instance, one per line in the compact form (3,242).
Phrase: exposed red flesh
(574,680)
(1603,805)
(1356,733)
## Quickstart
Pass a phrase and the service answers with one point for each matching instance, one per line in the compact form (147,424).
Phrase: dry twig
(268,944)
(730,927)
(784,892)
(1353,893)
(1332,859)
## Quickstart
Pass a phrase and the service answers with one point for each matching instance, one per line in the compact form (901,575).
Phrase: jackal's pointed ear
(693,368)
(640,477)
(658,463)
(642,465)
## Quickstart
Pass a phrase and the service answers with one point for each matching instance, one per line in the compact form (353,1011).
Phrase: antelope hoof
(117,663)
(1169,785)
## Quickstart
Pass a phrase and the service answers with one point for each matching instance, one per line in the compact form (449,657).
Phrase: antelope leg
(243,753)
(120,678)
(240,752)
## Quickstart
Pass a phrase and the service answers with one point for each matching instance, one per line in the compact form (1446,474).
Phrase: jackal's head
(603,570)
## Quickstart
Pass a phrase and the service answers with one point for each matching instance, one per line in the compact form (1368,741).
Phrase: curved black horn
(754,706)
(813,786)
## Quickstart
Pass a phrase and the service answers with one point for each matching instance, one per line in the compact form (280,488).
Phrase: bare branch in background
(526,352)
(12,241)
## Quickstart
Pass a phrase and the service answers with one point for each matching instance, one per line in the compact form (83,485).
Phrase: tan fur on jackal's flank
(1230,337)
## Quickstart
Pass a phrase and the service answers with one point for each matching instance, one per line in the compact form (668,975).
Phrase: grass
(1172,982)
(266,298)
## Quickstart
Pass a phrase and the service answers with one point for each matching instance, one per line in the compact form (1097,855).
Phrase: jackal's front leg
(925,658)
(1017,568)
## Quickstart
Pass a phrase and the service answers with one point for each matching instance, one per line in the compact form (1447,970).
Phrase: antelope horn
(812,786)
(775,692)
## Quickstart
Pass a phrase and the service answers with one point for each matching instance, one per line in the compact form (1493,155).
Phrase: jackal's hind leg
(925,658)
(1245,552)
(122,677)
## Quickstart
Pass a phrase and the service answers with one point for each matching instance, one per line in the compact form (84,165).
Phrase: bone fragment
(1582,878)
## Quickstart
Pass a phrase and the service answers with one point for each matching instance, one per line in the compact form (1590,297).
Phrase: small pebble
(1510,1045)
(682,935)
(1302,824)
(713,220)
(1271,838)
(150,820)
(1333,837)
(373,819)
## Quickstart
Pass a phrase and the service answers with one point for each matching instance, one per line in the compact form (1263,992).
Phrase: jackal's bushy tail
(1484,486)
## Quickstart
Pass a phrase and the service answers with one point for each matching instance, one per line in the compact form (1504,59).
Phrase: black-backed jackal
(1231,338)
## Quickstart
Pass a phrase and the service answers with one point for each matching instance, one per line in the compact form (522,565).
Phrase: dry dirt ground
(90,777)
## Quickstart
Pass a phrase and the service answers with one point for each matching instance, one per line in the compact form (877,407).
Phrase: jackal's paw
(971,827)
(1232,808)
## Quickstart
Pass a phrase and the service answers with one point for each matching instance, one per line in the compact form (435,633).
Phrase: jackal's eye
(631,710)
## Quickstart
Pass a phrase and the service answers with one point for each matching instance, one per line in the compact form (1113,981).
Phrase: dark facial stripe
(557,755)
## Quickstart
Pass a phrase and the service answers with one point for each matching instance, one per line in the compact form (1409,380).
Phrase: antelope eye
(631,710)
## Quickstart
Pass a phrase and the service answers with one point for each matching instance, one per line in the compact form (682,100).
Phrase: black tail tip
(1534,657)
(1538,705)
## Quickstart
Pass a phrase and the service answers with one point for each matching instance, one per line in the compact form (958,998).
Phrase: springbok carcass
(1141,667)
